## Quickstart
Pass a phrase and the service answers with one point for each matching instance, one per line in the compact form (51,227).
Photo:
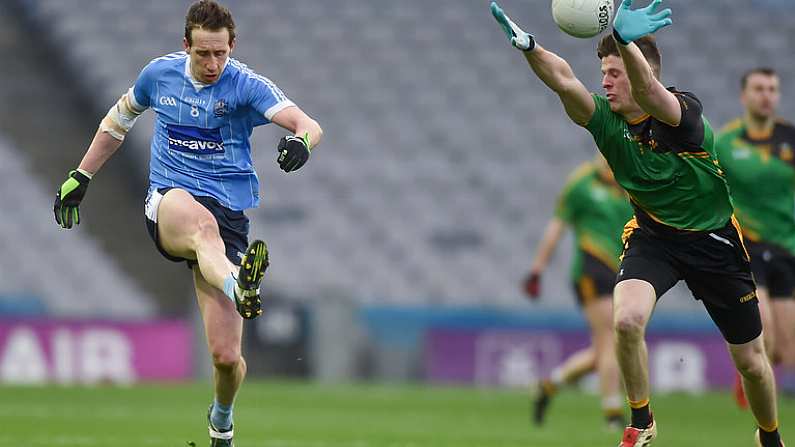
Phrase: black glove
(293,153)
(68,198)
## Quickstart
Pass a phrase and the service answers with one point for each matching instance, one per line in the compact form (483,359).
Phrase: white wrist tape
(122,116)
(84,172)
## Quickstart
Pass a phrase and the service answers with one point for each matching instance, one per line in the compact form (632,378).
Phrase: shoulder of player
(684,94)
(581,174)
(246,79)
(242,71)
(783,125)
(733,127)
(167,61)
(677,91)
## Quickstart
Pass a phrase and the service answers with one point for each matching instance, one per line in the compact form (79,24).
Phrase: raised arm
(553,70)
(650,94)
(556,73)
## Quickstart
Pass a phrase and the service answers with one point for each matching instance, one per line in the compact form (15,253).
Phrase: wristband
(619,39)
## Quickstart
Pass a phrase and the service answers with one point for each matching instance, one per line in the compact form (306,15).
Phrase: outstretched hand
(518,38)
(630,25)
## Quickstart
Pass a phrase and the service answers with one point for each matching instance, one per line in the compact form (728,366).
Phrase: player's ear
(232,44)
(185,45)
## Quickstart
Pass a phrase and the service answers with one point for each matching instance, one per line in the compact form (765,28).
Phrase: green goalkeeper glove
(519,38)
(68,198)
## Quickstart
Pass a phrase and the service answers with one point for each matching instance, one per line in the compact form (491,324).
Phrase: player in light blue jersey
(202,179)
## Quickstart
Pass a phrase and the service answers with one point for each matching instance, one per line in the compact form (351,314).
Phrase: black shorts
(773,268)
(597,280)
(713,264)
(233,226)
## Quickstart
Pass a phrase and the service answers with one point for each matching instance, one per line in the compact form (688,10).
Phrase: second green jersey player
(661,150)
(594,205)
(757,153)
(760,169)
(596,209)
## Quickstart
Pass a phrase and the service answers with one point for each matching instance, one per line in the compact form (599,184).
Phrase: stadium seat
(81,280)
(442,156)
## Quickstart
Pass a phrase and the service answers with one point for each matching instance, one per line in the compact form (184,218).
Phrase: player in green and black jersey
(661,150)
(756,153)
(596,209)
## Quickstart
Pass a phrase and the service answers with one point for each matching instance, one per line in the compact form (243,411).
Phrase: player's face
(616,85)
(208,53)
(761,95)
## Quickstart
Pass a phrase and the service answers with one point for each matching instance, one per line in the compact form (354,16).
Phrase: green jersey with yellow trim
(671,173)
(597,211)
(760,170)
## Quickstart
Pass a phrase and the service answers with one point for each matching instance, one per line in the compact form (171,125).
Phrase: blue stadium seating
(46,270)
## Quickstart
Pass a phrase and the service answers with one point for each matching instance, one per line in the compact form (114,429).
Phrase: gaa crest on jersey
(219,109)
(195,140)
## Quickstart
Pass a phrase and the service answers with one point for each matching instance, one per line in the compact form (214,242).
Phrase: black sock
(641,417)
(769,438)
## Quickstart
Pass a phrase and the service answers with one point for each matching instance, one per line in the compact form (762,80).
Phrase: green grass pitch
(291,414)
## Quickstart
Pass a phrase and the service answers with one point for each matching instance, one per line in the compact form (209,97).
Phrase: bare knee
(226,359)
(629,325)
(633,303)
(753,366)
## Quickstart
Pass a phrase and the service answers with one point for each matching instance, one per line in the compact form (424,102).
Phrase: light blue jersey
(201,138)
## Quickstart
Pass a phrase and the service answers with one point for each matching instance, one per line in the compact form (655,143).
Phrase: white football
(582,18)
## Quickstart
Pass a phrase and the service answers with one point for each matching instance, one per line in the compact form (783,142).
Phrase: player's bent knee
(751,362)
(753,369)
(629,325)
(206,229)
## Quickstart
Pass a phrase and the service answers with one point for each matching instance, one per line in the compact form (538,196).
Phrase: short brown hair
(766,71)
(209,15)
(647,44)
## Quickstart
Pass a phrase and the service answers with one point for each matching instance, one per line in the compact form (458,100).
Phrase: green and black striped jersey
(597,211)
(760,170)
(671,173)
